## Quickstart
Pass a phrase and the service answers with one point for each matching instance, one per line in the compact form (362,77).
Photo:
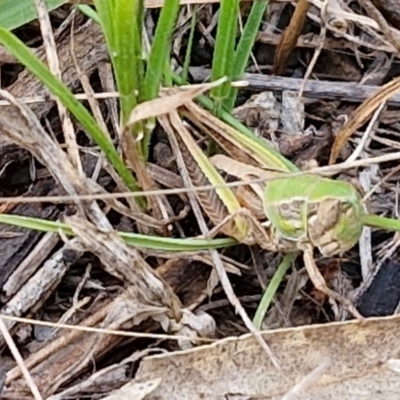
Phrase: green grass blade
(122,26)
(14,14)
(104,11)
(186,63)
(272,288)
(137,240)
(40,70)
(159,56)
(244,47)
(160,50)
(224,50)
(89,12)
(375,221)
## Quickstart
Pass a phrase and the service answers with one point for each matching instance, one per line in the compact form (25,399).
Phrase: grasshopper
(288,214)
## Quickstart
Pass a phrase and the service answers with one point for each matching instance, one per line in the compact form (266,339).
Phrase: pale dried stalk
(54,66)
(17,355)
(361,114)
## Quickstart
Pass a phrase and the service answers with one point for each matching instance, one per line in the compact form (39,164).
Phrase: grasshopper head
(336,226)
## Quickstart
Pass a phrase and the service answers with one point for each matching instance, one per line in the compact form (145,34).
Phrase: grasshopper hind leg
(320,284)
(258,233)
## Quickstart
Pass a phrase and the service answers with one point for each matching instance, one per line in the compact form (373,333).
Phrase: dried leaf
(134,391)
(359,361)
(170,102)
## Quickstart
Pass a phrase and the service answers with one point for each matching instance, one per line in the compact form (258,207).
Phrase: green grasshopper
(310,208)
(300,213)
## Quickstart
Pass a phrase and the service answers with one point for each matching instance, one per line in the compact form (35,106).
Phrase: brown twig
(290,37)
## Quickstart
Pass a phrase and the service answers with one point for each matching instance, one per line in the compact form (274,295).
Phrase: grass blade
(272,158)
(122,26)
(186,63)
(276,158)
(14,14)
(159,57)
(89,12)
(224,50)
(244,47)
(137,240)
(272,288)
(57,88)
(375,221)
(160,50)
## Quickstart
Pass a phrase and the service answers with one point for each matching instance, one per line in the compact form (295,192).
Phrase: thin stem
(272,289)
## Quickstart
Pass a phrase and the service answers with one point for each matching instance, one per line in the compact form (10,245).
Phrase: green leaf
(14,14)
